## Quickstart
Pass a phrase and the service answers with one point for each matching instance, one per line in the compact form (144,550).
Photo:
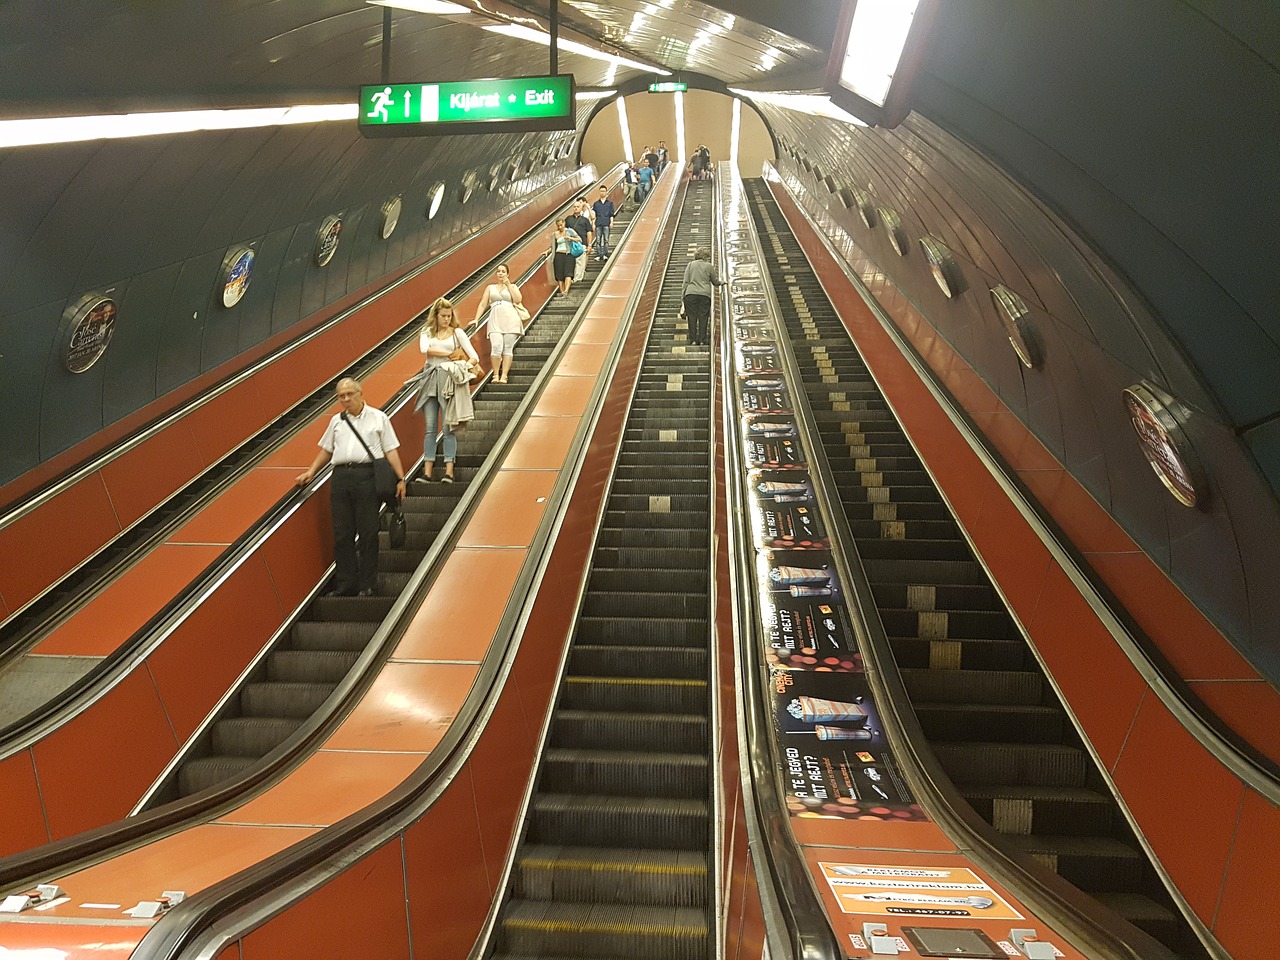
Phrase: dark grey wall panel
(27,340)
(181,345)
(135,346)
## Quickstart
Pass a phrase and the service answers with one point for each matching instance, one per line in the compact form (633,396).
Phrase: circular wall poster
(1013,317)
(91,324)
(390,216)
(1164,445)
(437,198)
(893,227)
(237,269)
(327,240)
(943,267)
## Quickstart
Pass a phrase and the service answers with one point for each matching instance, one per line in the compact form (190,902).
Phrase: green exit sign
(669,86)
(469,106)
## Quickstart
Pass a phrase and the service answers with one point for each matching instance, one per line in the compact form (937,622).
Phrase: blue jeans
(431,410)
(602,240)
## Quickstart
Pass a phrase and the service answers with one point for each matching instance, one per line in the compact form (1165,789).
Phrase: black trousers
(355,515)
(697,309)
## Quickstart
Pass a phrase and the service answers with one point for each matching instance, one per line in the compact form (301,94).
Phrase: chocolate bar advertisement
(785,513)
(836,762)
(771,442)
(809,635)
(755,358)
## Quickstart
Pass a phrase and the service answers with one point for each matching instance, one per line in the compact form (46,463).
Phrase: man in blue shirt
(604,211)
(645,173)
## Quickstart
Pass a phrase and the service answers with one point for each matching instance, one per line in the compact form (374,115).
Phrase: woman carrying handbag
(443,344)
(505,305)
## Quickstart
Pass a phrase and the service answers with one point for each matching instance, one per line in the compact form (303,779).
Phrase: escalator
(615,859)
(986,708)
(313,657)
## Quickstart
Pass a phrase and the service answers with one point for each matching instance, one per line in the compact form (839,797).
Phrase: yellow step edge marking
(640,681)
(615,929)
(541,864)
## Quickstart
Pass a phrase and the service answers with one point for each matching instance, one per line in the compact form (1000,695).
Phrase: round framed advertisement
(946,274)
(437,198)
(893,227)
(237,271)
(327,238)
(89,326)
(1012,311)
(391,216)
(1164,445)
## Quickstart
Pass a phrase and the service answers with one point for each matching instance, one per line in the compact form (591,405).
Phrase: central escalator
(987,709)
(615,859)
(308,663)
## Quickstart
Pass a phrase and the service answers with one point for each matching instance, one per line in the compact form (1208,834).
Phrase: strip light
(593,94)
(680,144)
(625,128)
(571,46)
(32,132)
(815,104)
(423,6)
(735,127)
(877,37)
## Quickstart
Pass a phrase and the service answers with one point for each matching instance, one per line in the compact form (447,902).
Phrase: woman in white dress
(500,300)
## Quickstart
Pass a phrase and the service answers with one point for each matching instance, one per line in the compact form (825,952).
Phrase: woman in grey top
(699,281)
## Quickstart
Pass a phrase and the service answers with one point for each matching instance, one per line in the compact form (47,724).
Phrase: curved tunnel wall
(1098,337)
(149,222)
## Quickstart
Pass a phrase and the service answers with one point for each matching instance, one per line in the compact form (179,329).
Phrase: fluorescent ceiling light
(26,133)
(735,129)
(572,46)
(423,6)
(876,39)
(625,128)
(816,104)
(593,94)
(680,142)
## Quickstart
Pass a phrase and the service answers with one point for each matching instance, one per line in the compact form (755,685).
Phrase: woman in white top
(441,341)
(505,323)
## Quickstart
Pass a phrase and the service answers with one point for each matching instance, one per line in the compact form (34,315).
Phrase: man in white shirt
(351,489)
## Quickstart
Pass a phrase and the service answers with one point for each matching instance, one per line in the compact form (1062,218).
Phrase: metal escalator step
(614,660)
(351,608)
(974,686)
(252,736)
(656,520)
(851,490)
(1091,863)
(207,772)
(688,561)
(912,550)
(333,635)
(310,666)
(648,605)
(1000,722)
(650,486)
(661,695)
(1146,914)
(672,632)
(541,928)
(961,654)
(662,580)
(390,584)
(662,823)
(399,561)
(280,699)
(904,511)
(1067,811)
(606,729)
(650,537)
(686,503)
(966,571)
(935,596)
(675,878)
(624,772)
(1022,764)
(953,624)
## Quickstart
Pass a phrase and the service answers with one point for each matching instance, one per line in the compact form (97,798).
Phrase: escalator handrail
(1256,771)
(1073,914)
(98,681)
(787,891)
(291,874)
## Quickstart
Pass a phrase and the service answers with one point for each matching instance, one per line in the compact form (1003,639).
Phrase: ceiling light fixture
(572,46)
(423,6)
(32,132)
(875,56)
(593,94)
(814,104)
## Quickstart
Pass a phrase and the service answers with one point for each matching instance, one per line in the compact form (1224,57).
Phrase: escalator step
(1145,914)
(676,878)
(1100,863)
(1013,763)
(209,771)
(334,635)
(961,654)
(350,608)
(252,736)
(648,605)
(689,561)
(310,666)
(664,539)
(615,660)
(603,729)
(298,700)
(634,694)
(660,633)
(662,580)
(953,624)
(540,928)
(1076,811)
(964,572)
(974,686)
(655,823)
(625,772)
(991,721)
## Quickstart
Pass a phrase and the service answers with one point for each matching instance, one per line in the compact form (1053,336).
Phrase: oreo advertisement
(835,760)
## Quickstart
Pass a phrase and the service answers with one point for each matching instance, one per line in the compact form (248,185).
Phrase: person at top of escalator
(352,440)
(645,173)
(502,299)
